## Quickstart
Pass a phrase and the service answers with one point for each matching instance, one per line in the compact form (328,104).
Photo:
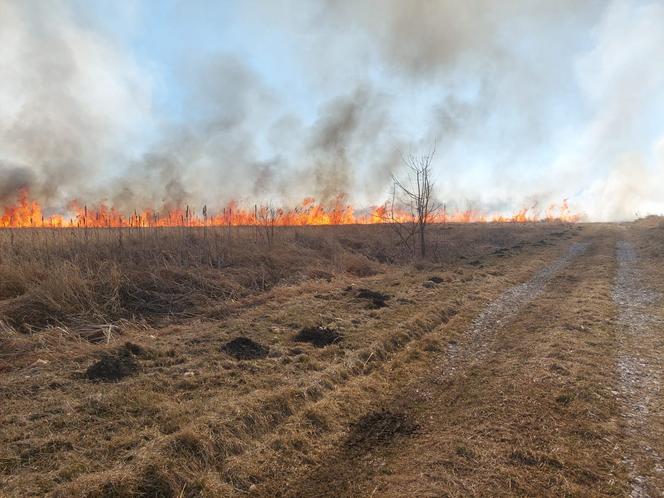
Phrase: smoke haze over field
(152,103)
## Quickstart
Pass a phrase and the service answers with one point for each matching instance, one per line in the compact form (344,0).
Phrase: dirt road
(554,389)
(640,372)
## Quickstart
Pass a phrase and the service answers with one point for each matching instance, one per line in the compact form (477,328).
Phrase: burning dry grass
(191,420)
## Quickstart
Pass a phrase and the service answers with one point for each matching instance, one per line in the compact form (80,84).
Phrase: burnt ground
(375,299)
(319,336)
(531,369)
(117,364)
(243,348)
(381,427)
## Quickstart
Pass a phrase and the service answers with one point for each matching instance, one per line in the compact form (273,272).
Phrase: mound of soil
(376,304)
(379,428)
(318,336)
(243,348)
(113,367)
(371,294)
(377,299)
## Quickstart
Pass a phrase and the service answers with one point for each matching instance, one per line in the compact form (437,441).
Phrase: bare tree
(267,217)
(415,193)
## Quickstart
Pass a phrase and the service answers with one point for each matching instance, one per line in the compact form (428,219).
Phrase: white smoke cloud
(70,101)
(529,102)
(610,157)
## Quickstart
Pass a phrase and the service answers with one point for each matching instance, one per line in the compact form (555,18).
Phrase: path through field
(554,389)
(640,372)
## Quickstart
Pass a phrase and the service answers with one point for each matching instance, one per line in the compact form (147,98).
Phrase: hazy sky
(143,103)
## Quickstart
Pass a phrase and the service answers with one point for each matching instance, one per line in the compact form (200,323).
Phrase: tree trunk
(423,247)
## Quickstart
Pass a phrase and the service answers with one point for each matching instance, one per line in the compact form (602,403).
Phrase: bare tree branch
(417,189)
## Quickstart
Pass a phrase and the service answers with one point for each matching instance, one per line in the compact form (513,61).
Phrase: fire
(27,212)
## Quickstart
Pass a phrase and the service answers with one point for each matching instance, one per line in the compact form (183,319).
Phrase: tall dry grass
(82,277)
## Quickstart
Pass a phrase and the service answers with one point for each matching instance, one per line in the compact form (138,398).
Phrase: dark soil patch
(379,428)
(376,304)
(371,294)
(113,367)
(243,348)
(376,299)
(318,336)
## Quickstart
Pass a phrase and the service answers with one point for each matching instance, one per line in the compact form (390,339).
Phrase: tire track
(345,474)
(639,371)
(506,307)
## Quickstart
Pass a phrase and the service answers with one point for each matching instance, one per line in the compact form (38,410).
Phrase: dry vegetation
(81,279)
(213,363)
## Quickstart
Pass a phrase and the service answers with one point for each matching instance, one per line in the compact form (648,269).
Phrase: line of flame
(27,212)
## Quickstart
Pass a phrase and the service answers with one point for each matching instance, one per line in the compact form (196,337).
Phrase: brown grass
(537,417)
(78,277)
(193,420)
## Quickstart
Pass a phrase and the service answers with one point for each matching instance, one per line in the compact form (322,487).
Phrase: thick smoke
(68,99)
(615,156)
(528,102)
(13,178)
(338,138)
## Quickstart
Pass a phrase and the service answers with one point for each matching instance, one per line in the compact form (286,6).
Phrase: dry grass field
(517,359)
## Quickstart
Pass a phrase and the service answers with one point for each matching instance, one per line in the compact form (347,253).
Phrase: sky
(157,103)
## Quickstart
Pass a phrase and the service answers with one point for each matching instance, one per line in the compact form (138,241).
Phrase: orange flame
(26,212)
